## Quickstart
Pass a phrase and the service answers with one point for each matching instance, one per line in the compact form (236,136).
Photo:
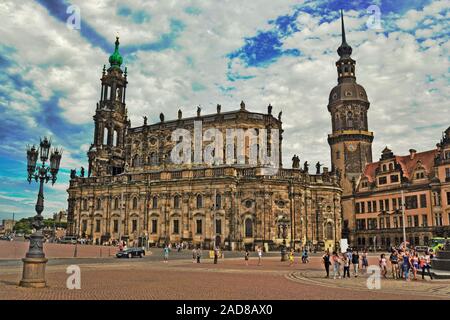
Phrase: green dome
(116,59)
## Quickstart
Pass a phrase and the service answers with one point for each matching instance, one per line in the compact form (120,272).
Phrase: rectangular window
(363,207)
(423,200)
(218,226)
(448,198)
(447,171)
(361,224)
(424,220)
(381,205)
(381,223)
(382,180)
(438,219)
(357,208)
(416,221)
(394,178)
(133,225)
(199,226)
(388,222)
(176,226)
(411,202)
(409,221)
(97,225)
(84,226)
(369,206)
(116,226)
(374,206)
(394,204)
(154,226)
(395,222)
(386,205)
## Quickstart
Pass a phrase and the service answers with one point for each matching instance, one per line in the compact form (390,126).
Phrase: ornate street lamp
(34,261)
(283,223)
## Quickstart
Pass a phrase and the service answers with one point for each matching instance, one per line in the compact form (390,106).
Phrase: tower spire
(344,49)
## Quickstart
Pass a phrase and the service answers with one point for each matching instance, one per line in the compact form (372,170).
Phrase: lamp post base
(33,275)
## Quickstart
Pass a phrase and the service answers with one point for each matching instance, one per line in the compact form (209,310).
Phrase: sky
(184,54)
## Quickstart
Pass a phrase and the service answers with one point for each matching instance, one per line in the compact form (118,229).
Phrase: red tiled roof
(408,165)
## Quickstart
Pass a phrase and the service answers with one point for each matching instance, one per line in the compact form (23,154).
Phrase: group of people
(405,264)
(346,260)
(259,251)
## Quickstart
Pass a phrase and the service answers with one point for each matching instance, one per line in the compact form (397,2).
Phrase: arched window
(115,136)
(136,161)
(218,201)
(329,231)
(248,228)
(135,203)
(153,159)
(391,166)
(199,201)
(99,203)
(155,202)
(349,119)
(176,202)
(105,136)
(384,167)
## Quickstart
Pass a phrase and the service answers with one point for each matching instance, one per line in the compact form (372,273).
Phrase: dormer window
(364,184)
(420,175)
(447,155)
(382,180)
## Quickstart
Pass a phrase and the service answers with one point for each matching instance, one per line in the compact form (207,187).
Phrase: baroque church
(134,192)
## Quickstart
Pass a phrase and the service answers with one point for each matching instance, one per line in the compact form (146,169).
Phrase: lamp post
(34,261)
(283,222)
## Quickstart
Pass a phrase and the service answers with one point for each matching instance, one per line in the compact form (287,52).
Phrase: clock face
(351,147)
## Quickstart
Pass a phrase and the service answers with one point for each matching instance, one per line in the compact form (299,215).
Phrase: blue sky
(181,54)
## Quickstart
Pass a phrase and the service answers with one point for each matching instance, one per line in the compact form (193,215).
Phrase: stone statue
(242,105)
(73,173)
(82,172)
(306,167)
(219,108)
(318,165)
(118,94)
(145,120)
(161,117)
(199,110)
(269,109)
(180,114)
(279,115)
(295,162)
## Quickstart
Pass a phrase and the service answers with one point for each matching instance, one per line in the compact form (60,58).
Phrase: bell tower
(350,141)
(107,153)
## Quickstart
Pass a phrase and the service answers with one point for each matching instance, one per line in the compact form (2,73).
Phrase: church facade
(135,191)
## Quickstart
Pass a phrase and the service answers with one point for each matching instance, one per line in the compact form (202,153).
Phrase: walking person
(326,263)
(199,254)
(305,256)
(355,263)
(259,250)
(194,255)
(393,258)
(291,257)
(406,265)
(346,263)
(166,254)
(246,256)
(383,265)
(415,264)
(365,262)
(426,265)
(216,255)
(336,265)
(400,263)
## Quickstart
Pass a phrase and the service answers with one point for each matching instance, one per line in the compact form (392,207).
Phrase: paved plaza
(151,278)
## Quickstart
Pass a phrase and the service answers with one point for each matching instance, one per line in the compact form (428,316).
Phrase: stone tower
(107,155)
(350,141)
